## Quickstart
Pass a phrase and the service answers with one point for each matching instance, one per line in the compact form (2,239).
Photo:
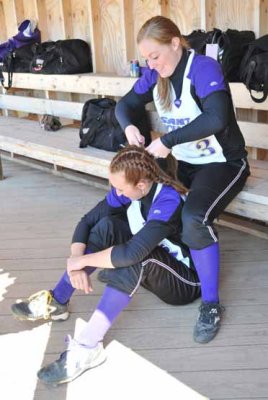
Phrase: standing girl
(194,104)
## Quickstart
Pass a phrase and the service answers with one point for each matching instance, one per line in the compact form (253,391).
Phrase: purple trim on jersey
(164,204)
(206,76)
(146,81)
(116,201)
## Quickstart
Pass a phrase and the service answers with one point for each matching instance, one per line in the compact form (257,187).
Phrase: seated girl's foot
(40,305)
(72,363)
(208,322)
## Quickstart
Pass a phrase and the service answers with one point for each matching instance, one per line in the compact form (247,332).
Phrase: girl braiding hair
(193,102)
(162,30)
(138,164)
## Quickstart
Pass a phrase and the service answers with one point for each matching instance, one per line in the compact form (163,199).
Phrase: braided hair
(138,164)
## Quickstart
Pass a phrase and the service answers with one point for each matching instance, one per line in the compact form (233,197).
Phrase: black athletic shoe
(208,322)
(72,363)
(40,305)
(103,276)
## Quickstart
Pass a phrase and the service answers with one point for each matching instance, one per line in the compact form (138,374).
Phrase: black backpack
(99,127)
(197,40)
(232,45)
(234,48)
(254,68)
(71,56)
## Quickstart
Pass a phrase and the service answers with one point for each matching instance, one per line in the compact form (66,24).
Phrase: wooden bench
(24,137)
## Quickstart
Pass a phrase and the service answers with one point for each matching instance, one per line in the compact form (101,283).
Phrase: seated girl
(134,234)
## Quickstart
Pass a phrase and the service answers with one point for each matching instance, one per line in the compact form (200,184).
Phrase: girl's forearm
(101,259)
(78,249)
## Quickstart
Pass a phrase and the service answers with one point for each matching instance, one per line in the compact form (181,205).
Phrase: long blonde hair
(138,164)
(162,30)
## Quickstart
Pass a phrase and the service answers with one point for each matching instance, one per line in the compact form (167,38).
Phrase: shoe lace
(209,311)
(39,303)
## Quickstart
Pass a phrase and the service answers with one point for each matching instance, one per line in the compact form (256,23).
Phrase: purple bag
(28,33)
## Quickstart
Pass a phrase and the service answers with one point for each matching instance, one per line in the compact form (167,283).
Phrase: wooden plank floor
(38,214)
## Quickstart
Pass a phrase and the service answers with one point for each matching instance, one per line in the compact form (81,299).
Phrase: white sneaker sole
(59,318)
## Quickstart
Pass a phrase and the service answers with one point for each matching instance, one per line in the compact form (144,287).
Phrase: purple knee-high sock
(112,302)
(64,290)
(207,264)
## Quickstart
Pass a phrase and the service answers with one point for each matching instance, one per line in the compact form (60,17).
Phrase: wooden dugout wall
(111,26)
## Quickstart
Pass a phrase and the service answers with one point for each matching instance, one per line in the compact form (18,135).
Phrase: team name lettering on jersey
(174,123)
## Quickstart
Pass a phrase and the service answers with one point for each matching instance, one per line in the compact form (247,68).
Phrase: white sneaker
(72,363)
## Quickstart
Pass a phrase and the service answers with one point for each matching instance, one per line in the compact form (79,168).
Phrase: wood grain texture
(79,19)
(9,8)
(3,33)
(142,10)
(263,17)
(42,19)
(30,10)
(186,14)
(55,20)
(236,14)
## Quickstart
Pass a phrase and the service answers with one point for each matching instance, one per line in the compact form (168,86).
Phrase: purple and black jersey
(161,212)
(201,126)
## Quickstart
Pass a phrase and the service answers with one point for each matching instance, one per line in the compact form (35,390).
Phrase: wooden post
(1,169)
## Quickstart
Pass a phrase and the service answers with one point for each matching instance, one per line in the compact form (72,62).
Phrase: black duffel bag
(71,56)
(18,60)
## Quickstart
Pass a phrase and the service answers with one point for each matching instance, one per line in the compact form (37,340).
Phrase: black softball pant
(212,187)
(169,279)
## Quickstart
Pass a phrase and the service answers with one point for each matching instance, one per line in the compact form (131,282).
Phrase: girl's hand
(74,264)
(157,149)
(81,280)
(134,136)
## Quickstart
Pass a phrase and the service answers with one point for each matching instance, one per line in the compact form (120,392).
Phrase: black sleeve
(90,219)
(128,108)
(213,119)
(141,244)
